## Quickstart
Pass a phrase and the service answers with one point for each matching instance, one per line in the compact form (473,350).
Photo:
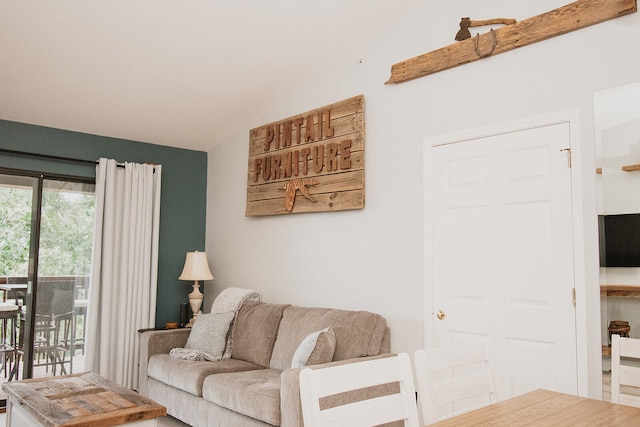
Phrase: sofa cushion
(317,347)
(188,375)
(358,333)
(255,394)
(255,330)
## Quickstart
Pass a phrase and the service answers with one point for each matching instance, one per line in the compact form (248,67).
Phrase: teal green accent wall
(182,201)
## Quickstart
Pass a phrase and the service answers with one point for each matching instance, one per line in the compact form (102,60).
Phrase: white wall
(372,259)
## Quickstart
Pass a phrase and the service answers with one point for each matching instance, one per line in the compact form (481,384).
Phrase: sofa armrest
(157,342)
(290,406)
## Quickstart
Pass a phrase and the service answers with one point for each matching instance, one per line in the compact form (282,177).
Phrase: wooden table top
(548,408)
(81,400)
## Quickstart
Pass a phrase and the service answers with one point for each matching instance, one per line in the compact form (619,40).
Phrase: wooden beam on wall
(574,16)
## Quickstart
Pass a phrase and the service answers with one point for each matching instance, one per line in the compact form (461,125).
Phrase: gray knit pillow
(209,334)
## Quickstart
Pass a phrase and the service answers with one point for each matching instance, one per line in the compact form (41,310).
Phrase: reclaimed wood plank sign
(571,17)
(312,162)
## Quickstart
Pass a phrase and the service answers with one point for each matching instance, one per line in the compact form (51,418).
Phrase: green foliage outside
(15,224)
(65,235)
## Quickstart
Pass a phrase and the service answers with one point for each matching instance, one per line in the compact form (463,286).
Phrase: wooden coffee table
(78,400)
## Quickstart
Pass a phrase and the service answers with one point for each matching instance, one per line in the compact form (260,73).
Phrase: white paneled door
(502,253)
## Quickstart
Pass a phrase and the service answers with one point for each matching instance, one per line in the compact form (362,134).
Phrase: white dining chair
(318,385)
(454,379)
(625,370)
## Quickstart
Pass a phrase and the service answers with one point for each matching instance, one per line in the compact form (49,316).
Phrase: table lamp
(195,268)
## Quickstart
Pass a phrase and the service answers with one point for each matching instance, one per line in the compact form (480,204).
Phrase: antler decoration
(291,188)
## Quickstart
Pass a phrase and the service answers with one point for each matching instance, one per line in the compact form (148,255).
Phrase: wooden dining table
(548,408)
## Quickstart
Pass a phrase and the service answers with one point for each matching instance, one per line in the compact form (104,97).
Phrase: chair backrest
(454,379)
(365,394)
(55,297)
(625,371)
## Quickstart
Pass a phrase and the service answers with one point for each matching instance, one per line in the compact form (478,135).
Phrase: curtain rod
(47,156)
(52,157)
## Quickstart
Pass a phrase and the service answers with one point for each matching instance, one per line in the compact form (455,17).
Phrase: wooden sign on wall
(312,162)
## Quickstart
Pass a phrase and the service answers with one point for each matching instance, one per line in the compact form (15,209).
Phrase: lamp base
(195,301)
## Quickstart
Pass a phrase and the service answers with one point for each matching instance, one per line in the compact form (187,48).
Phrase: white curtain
(122,293)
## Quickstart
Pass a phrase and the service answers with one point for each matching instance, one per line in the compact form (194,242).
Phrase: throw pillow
(324,349)
(317,347)
(209,334)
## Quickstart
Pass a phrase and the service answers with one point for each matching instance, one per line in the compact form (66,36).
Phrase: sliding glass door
(46,224)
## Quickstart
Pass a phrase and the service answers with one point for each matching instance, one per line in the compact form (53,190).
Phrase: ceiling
(180,73)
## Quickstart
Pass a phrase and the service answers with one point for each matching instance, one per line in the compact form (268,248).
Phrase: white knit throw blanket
(231,299)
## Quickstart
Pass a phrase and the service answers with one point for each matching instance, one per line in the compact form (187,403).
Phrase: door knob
(440,314)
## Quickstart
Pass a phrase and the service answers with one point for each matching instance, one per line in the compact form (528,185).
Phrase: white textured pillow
(307,346)
(209,334)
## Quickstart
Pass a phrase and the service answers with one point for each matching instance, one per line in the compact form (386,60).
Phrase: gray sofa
(256,386)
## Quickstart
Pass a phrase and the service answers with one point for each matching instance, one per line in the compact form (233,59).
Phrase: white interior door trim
(571,117)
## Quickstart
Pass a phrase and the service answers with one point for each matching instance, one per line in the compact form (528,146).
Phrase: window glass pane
(66,231)
(64,263)
(16,195)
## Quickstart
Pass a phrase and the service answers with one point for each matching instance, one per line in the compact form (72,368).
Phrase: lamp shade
(196,267)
